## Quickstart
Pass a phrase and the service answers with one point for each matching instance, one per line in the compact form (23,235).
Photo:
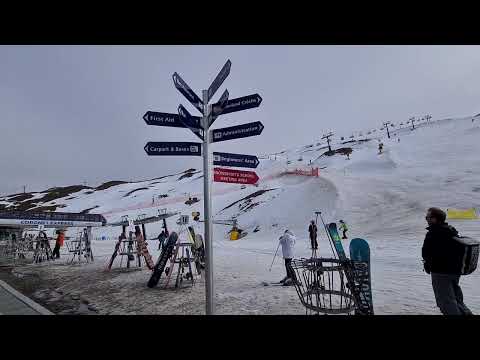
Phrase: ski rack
(80,248)
(182,258)
(321,286)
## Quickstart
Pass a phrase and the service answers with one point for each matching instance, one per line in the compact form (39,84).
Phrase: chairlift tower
(327,136)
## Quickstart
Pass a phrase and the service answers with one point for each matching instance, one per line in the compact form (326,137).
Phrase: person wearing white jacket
(287,240)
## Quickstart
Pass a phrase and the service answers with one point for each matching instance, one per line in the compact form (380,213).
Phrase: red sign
(234,176)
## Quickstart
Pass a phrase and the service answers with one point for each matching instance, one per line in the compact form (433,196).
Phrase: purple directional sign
(187,92)
(235,160)
(165,119)
(241,103)
(237,132)
(173,148)
(193,123)
(222,75)
(218,107)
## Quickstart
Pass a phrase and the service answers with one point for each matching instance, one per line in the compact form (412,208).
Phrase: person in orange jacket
(58,244)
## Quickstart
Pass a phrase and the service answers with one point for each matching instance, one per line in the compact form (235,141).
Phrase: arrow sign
(235,160)
(222,75)
(165,119)
(236,132)
(241,103)
(187,92)
(193,123)
(173,148)
(218,107)
(234,176)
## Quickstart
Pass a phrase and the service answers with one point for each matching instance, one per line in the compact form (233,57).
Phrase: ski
(143,250)
(115,252)
(360,256)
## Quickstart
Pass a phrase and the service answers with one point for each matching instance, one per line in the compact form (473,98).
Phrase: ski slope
(382,197)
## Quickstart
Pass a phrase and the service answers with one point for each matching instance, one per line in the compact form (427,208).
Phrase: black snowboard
(162,260)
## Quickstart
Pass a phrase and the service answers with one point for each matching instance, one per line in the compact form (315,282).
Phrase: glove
(426,267)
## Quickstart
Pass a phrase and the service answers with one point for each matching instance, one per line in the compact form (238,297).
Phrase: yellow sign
(467,214)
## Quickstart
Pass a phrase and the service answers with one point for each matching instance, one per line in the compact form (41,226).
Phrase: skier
(58,244)
(343,227)
(312,230)
(443,260)
(380,148)
(287,240)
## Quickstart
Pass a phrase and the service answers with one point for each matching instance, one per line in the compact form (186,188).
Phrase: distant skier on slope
(312,230)
(442,258)
(343,227)
(380,148)
(287,240)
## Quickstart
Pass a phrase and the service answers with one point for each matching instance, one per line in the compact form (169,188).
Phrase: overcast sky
(70,114)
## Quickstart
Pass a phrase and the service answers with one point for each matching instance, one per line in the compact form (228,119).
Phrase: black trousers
(313,242)
(56,251)
(344,234)
(289,269)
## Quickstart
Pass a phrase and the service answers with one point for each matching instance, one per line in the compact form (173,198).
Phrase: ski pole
(330,240)
(274,257)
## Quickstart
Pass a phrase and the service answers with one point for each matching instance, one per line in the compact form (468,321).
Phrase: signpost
(235,160)
(200,127)
(237,132)
(235,176)
(173,148)
(165,119)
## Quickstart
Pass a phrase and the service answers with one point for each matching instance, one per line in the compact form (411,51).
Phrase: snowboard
(337,242)
(360,257)
(143,250)
(162,260)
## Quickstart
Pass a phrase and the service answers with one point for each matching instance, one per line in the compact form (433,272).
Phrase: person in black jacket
(442,258)
(312,229)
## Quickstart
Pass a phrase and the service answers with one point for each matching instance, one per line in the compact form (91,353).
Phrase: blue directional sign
(241,103)
(236,132)
(218,107)
(187,92)
(165,119)
(173,148)
(190,122)
(235,160)
(222,75)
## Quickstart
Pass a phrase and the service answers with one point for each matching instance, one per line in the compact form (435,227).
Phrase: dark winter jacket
(312,229)
(440,252)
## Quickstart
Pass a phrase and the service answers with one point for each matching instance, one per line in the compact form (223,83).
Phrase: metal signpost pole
(209,289)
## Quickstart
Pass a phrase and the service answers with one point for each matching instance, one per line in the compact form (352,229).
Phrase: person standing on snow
(442,258)
(380,148)
(343,227)
(287,240)
(312,230)
(58,245)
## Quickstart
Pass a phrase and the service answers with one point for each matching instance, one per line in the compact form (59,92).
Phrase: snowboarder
(443,260)
(380,148)
(343,227)
(287,240)
(312,230)
(58,244)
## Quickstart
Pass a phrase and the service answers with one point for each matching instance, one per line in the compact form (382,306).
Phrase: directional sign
(236,132)
(173,148)
(235,160)
(193,123)
(187,92)
(241,103)
(234,176)
(165,119)
(222,75)
(218,107)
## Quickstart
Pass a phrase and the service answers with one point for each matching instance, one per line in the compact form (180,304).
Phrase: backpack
(470,250)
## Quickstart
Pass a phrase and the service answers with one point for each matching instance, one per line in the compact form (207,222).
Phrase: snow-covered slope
(383,198)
